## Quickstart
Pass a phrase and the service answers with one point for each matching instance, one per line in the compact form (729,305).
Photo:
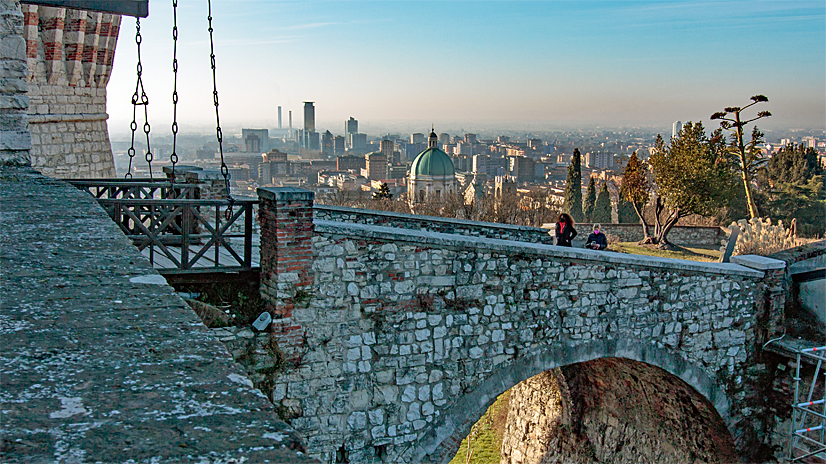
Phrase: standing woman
(565,231)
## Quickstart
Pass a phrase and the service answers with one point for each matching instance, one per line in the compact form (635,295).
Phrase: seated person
(597,240)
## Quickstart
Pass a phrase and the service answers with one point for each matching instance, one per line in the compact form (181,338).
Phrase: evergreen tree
(602,208)
(693,176)
(590,201)
(625,210)
(383,193)
(792,185)
(573,188)
(636,188)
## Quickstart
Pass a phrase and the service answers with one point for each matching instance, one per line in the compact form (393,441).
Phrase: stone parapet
(433,224)
(102,360)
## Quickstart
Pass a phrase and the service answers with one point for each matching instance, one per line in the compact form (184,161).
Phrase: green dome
(432,162)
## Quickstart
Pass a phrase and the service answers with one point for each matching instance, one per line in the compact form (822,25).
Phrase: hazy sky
(506,63)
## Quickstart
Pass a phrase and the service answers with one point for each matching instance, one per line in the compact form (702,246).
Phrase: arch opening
(635,363)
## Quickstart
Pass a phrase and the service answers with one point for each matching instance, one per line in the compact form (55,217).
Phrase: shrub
(761,237)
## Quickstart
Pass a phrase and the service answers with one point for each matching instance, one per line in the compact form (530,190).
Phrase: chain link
(218,133)
(173,158)
(139,98)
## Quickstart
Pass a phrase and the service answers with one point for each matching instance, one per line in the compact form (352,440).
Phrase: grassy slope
(693,254)
(486,435)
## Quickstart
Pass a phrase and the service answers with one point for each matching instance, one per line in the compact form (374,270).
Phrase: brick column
(285,215)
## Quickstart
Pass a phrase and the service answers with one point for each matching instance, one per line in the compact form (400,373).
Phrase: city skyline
(514,65)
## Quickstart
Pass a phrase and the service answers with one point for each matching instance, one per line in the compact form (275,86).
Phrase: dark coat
(600,239)
(565,235)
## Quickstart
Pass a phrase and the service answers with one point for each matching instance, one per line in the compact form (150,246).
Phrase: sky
(543,65)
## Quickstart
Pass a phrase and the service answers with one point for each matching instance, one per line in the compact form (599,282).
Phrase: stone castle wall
(70,55)
(401,338)
(15,139)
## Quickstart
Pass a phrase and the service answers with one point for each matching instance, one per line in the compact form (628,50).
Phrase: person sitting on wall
(565,231)
(597,240)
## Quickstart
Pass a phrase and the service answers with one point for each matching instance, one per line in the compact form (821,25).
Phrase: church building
(432,174)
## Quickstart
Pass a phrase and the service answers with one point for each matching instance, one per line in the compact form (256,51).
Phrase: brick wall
(285,216)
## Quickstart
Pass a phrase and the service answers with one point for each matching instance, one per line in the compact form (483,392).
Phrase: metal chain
(134,124)
(173,158)
(139,98)
(218,133)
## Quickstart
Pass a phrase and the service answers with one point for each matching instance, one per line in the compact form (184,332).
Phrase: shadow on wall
(612,410)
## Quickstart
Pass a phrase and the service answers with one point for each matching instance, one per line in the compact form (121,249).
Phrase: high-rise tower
(351,126)
(309,117)
(676,128)
(279,117)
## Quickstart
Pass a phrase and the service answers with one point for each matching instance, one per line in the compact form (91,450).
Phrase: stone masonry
(70,55)
(15,139)
(101,360)
(402,338)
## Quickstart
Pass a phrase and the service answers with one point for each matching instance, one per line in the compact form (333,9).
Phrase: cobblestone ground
(99,360)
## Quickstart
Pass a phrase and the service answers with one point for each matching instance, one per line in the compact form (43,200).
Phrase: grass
(694,254)
(486,435)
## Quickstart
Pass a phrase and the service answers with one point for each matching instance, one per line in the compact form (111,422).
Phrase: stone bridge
(402,338)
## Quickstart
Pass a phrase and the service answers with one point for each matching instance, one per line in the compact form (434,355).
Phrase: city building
(255,140)
(338,145)
(432,174)
(309,117)
(376,166)
(350,163)
(279,117)
(676,128)
(351,126)
(357,142)
(480,164)
(504,186)
(418,137)
(599,160)
(327,141)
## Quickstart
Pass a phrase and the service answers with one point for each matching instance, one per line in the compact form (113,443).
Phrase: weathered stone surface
(99,367)
(458,319)
(612,410)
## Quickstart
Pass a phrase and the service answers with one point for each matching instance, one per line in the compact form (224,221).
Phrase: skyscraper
(351,126)
(309,117)
(279,117)
(676,128)
(290,134)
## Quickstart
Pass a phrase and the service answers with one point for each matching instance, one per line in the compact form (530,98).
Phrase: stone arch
(442,441)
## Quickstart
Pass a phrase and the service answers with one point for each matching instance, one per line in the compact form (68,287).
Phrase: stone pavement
(100,361)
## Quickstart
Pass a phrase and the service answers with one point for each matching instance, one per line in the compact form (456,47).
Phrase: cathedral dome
(432,162)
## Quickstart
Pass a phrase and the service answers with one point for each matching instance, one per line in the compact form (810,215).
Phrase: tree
(636,188)
(625,212)
(792,187)
(590,200)
(750,157)
(693,175)
(383,193)
(573,188)
(602,208)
